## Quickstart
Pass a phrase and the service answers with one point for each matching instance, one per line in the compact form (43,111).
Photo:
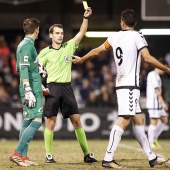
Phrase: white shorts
(128,102)
(157,113)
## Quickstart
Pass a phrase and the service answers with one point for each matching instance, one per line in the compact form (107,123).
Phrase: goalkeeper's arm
(29,99)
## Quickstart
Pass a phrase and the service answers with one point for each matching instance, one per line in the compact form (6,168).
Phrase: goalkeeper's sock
(27,136)
(81,137)
(48,139)
(25,124)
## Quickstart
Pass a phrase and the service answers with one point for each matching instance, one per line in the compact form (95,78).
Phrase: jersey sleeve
(72,46)
(42,59)
(25,55)
(140,41)
(109,40)
(24,63)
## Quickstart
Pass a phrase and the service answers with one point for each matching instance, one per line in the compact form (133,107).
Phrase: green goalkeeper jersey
(58,62)
(27,65)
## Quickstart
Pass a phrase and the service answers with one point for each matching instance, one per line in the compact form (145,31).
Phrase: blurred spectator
(84,49)
(77,77)
(106,97)
(113,68)
(91,101)
(104,59)
(85,90)
(4,51)
(17,40)
(4,97)
(95,80)
(13,90)
(1,81)
(13,64)
(144,70)
(8,78)
(45,29)
(167,58)
(42,44)
(105,71)
(87,66)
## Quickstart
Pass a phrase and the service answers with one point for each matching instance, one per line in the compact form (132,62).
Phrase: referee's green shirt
(58,62)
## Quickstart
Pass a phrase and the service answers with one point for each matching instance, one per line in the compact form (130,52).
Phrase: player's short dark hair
(30,25)
(128,16)
(51,29)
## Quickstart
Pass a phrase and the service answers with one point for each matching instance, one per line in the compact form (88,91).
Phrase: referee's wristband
(85,17)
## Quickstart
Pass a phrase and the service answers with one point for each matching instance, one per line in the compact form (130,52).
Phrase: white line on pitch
(136,149)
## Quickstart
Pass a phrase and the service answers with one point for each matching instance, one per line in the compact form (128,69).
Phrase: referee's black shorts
(61,96)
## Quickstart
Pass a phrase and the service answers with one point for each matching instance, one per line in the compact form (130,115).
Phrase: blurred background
(94,81)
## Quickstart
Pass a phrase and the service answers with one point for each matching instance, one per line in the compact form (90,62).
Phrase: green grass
(69,156)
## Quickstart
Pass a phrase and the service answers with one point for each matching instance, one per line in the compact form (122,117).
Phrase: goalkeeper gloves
(42,70)
(29,99)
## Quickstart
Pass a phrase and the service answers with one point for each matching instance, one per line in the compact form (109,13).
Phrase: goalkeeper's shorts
(35,112)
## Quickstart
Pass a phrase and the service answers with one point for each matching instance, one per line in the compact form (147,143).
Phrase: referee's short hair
(51,29)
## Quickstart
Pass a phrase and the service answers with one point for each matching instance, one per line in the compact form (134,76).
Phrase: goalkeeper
(30,91)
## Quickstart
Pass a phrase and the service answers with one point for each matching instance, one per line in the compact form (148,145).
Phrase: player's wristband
(85,17)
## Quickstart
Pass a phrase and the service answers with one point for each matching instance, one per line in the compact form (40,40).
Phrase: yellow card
(85,4)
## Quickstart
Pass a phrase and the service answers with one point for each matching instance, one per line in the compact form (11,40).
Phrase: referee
(57,59)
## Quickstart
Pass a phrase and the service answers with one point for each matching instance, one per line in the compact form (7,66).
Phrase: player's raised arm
(92,54)
(84,26)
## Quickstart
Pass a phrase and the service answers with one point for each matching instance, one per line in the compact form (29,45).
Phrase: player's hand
(77,60)
(42,70)
(29,99)
(88,12)
(46,91)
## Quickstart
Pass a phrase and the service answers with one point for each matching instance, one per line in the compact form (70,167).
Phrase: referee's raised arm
(84,26)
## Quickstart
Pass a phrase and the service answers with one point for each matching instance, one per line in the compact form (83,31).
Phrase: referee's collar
(51,47)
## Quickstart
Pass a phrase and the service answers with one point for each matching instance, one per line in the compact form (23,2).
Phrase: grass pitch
(69,156)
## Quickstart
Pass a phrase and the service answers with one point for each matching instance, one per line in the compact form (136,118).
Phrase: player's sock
(25,124)
(115,137)
(27,136)
(81,137)
(48,139)
(159,129)
(151,133)
(140,135)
